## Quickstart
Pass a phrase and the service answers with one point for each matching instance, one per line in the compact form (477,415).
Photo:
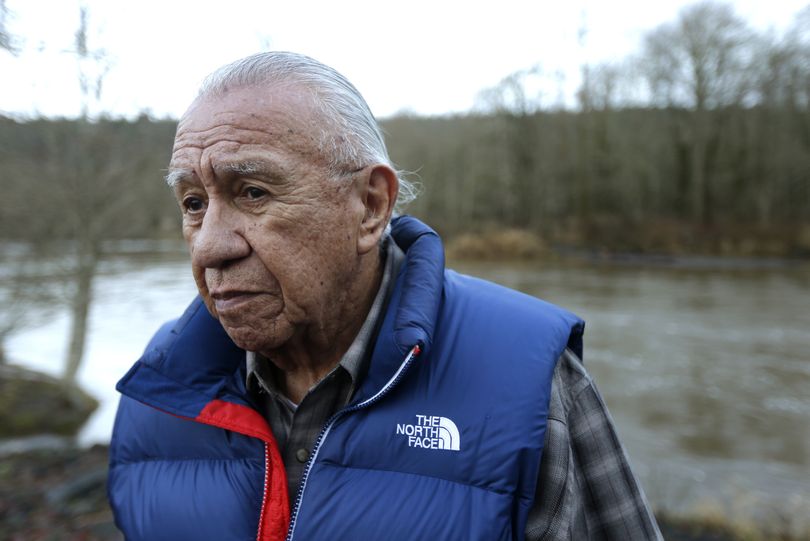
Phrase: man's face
(272,234)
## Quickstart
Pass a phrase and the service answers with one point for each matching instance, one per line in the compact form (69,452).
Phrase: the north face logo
(431,432)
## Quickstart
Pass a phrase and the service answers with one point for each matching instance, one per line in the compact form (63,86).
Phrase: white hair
(351,139)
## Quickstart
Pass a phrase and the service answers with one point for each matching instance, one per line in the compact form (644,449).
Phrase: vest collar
(186,366)
(413,308)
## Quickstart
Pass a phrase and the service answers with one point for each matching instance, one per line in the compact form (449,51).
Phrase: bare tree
(26,291)
(6,41)
(699,62)
(70,188)
(512,94)
(92,168)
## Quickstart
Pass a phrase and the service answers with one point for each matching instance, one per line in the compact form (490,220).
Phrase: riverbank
(660,244)
(60,494)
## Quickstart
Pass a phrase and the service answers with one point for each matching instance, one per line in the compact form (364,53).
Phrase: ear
(379,198)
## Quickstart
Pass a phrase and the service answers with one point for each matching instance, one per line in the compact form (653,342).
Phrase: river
(706,369)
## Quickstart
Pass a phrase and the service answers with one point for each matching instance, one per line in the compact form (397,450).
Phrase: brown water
(707,373)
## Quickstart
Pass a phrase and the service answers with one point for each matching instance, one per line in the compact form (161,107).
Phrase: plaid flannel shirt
(586,489)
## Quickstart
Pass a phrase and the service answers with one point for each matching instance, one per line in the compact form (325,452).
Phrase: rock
(34,443)
(35,403)
(78,488)
(56,494)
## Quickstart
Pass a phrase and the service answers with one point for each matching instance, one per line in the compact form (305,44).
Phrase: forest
(698,143)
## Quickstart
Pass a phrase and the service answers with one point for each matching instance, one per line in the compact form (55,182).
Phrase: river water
(706,370)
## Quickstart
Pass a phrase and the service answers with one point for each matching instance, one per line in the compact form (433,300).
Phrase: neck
(311,355)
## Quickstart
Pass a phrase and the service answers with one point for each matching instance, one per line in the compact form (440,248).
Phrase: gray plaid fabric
(586,489)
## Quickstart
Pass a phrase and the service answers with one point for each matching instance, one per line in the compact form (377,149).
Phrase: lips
(228,300)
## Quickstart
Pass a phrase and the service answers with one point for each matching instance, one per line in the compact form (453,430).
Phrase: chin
(251,339)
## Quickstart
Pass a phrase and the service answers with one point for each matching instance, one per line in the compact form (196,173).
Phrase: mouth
(229,300)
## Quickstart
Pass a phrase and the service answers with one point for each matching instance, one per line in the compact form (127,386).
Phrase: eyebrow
(176,176)
(240,168)
(248,168)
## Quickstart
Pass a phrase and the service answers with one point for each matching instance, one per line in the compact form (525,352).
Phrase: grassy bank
(606,239)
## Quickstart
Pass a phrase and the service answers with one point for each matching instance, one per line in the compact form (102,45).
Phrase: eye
(252,192)
(193,204)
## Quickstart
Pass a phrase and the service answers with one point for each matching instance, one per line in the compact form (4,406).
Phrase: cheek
(188,236)
(199,279)
(198,272)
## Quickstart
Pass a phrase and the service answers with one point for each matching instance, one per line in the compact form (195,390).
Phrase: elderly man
(333,381)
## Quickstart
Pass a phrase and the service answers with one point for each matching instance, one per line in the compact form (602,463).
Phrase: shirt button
(301,455)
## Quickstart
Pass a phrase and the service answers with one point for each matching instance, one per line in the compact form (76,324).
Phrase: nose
(218,241)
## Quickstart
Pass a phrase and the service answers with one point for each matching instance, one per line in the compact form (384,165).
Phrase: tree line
(698,142)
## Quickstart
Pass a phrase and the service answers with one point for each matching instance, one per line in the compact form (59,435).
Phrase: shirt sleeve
(585,488)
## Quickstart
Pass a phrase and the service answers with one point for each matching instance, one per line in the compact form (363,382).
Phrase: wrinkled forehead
(279,117)
(265,108)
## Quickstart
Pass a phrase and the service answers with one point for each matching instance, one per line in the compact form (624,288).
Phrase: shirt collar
(259,373)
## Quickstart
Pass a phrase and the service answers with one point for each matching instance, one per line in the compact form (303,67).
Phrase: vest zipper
(264,491)
(328,427)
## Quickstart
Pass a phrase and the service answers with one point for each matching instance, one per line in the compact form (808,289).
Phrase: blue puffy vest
(442,439)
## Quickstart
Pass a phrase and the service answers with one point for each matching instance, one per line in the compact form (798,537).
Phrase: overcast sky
(424,56)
